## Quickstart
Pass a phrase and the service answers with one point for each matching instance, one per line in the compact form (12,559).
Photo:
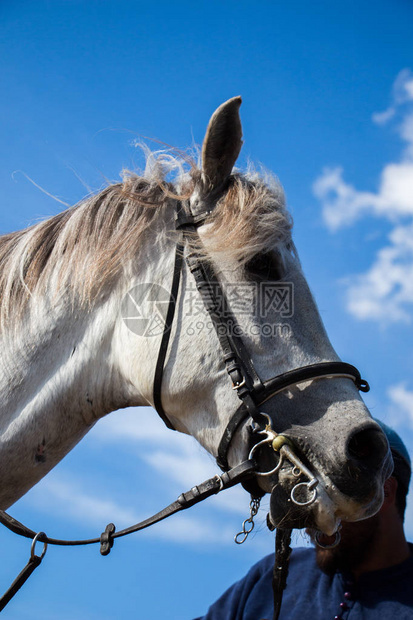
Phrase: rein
(252,392)
(197,494)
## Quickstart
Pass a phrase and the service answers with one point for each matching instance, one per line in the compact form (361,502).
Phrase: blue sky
(328,106)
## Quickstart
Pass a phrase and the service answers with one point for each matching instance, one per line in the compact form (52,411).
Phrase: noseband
(250,389)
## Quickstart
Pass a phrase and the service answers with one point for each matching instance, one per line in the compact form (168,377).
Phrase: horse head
(238,225)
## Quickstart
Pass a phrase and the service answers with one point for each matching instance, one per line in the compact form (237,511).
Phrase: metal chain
(248,524)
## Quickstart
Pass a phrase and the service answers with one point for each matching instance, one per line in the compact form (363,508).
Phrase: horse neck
(57,379)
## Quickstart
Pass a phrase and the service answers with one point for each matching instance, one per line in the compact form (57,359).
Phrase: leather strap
(163,349)
(237,359)
(195,495)
(281,566)
(313,371)
(235,422)
(21,578)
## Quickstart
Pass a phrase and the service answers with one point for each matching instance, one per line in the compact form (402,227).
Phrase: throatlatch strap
(163,349)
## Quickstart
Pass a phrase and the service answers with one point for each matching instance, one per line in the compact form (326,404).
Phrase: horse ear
(222,143)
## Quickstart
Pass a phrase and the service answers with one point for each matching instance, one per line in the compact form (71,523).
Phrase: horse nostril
(368,446)
(364,462)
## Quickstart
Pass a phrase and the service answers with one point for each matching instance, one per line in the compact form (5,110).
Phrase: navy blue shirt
(311,595)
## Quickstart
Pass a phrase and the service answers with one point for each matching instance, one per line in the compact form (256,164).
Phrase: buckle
(238,384)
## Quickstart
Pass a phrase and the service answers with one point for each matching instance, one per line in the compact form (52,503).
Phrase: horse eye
(264,267)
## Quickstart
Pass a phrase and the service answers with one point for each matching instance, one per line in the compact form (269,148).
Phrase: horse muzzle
(298,493)
(303,497)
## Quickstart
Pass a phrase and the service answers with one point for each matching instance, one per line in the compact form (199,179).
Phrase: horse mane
(82,249)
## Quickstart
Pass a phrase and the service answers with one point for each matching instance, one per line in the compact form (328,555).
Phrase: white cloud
(402,93)
(63,498)
(381,118)
(186,470)
(187,529)
(385,291)
(134,424)
(342,203)
(395,195)
(142,426)
(401,409)
(175,456)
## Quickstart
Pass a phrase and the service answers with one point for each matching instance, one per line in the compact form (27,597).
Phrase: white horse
(72,351)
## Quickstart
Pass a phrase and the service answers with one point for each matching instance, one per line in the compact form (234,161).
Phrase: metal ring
(250,527)
(258,445)
(220,481)
(238,540)
(336,541)
(308,488)
(272,471)
(34,541)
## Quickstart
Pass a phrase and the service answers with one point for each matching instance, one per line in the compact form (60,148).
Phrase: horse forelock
(81,250)
(250,218)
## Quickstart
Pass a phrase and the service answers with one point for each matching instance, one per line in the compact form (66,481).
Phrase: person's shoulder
(303,554)
(262,566)
(302,559)
(300,556)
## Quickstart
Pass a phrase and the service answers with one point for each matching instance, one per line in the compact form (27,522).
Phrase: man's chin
(327,559)
(357,540)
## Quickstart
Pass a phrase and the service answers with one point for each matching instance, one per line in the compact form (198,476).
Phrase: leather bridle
(251,390)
